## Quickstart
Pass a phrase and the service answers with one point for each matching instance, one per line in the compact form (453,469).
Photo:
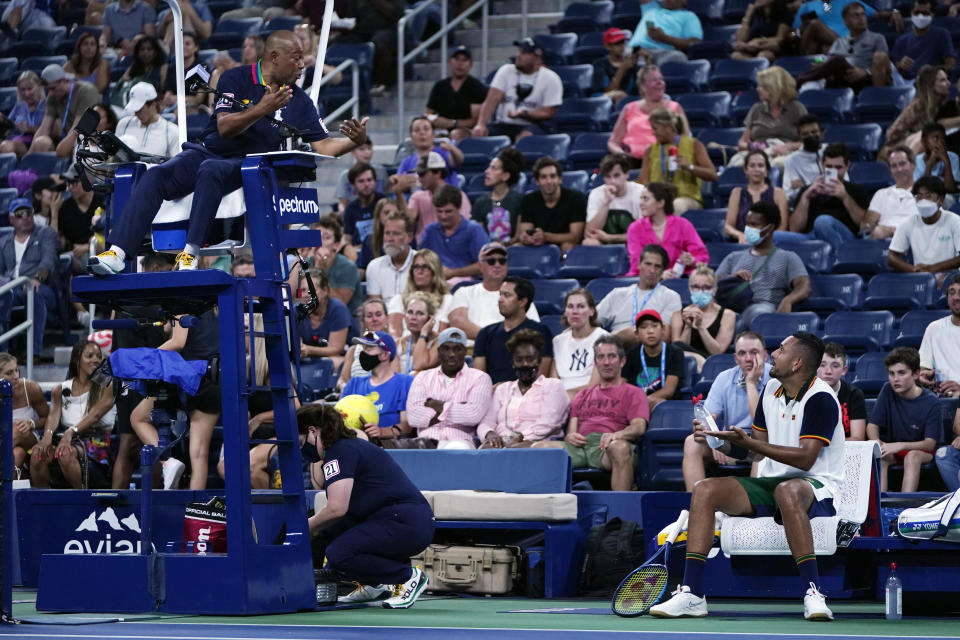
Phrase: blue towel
(144,363)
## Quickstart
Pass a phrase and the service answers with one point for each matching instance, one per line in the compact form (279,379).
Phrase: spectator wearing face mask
(932,236)
(704,327)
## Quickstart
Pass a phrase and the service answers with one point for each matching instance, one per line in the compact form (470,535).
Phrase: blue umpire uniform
(210,168)
(387,522)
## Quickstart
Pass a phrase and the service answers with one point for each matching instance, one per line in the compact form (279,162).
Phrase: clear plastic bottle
(700,413)
(678,268)
(894,594)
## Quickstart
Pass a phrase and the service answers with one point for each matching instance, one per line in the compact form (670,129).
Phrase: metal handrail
(26,325)
(445,28)
(354,101)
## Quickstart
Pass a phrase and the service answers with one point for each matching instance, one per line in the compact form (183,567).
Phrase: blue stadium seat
(842,291)
(832,105)
(37,63)
(557,47)
(720,250)
(871,372)
(913,324)
(554,145)
(576,180)
(682,287)
(708,223)
(600,287)
(662,455)
(863,140)
(870,175)
(690,377)
(712,367)
(670,414)
(244,26)
(533,262)
(44,163)
(317,378)
(686,77)
(709,11)
(595,262)
(882,105)
(774,327)
(714,139)
(8,162)
(577,79)
(859,331)
(817,255)
(736,75)
(711,109)
(727,181)
(362,52)
(8,70)
(554,322)
(591,39)
(550,293)
(741,104)
(476,182)
(581,114)
(48,37)
(733,10)
(477,152)
(901,291)
(581,17)
(865,257)
(587,150)
(8,98)
(219,7)
(81,29)
(795,65)
(585,54)
(7,195)
(626,20)
(22,50)
(281,22)
(717,43)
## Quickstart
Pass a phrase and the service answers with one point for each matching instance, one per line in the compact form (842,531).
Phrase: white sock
(192,249)
(120,252)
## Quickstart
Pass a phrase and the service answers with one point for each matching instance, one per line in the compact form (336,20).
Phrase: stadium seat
(317,378)
(22,50)
(219,7)
(557,47)
(682,287)
(595,262)
(662,454)
(710,109)
(576,180)
(736,75)
(600,287)
(901,291)
(549,294)
(774,327)
(721,144)
(7,195)
(690,377)
(44,163)
(244,26)
(8,162)
(587,150)
(720,250)
(533,262)
(281,22)
(37,63)
(581,17)
(871,372)
(709,11)
(882,105)
(8,98)
(717,43)
(831,105)
(577,79)
(708,223)
(626,20)
(817,255)
(477,152)
(554,145)
(733,10)
(727,181)
(913,324)
(834,292)
(863,140)
(554,322)
(581,114)
(712,367)
(587,54)
(870,175)
(8,70)
(865,257)
(48,37)
(741,105)
(795,65)
(81,29)
(591,39)
(686,77)
(859,331)
(476,183)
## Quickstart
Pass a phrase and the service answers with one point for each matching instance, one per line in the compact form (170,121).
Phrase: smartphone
(830,174)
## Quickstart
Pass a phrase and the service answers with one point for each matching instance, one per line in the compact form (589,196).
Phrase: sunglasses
(23,213)
(494,261)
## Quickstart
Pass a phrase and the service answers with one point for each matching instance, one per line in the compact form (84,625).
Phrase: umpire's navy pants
(378,549)
(194,170)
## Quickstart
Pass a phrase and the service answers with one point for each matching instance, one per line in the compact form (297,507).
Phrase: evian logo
(104,541)
(297,205)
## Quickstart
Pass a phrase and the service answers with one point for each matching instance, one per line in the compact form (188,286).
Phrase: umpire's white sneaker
(366,593)
(815,605)
(106,263)
(683,604)
(405,594)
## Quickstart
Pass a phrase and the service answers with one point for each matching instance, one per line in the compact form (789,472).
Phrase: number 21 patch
(331,469)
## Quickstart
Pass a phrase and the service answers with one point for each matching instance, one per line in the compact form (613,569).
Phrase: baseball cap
(46,182)
(953,278)
(20,203)
(492,247)
(380,339)
(432,160)
(54,73)
(461,49)
(614,35)
(527,45)
(452,334)
(70,174)
(140,94)
(647,313)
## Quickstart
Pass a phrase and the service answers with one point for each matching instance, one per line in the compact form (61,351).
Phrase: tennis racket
(645,585)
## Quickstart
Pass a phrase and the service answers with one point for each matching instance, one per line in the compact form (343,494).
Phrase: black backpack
(614,549)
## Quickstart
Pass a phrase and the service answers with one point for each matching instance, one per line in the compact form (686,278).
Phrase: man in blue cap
(31,251)
(387,389)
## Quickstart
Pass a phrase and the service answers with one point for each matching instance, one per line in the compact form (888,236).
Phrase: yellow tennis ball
(357,410)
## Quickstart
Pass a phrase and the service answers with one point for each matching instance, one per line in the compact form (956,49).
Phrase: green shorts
(589,455)
(760,493)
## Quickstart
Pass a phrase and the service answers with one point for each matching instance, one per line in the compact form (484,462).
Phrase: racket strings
(641,590)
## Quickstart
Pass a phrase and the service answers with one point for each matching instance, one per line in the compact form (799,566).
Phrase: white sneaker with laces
(185,262)
(172,471)
(683,604)
(365,593)
(405,594)
(815,605)
(106,263)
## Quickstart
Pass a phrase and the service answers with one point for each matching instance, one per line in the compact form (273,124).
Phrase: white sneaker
(185,262)
(815,605)
(172,471)
(405,594)
(366,593)
(106,263)
(683,604)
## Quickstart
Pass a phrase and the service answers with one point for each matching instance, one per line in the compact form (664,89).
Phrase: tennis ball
(357,410)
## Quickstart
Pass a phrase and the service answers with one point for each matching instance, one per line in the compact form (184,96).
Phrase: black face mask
(526,375)
(811,144)
(309,452)
(368,362)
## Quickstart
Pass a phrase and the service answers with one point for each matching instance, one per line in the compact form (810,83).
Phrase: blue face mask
(701,298)
(753,235)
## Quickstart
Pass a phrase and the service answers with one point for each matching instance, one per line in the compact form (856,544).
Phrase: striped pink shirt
(538,414)
(465,398)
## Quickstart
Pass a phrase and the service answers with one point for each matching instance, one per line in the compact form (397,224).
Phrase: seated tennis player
(375,520)
(798,432)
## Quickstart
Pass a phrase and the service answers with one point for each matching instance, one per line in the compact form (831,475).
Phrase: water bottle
(678,268)
(498,223)
(672,159)
(894,593)
(700,413)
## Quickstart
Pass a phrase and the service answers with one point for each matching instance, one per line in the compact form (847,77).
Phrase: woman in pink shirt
(658,225)
(632,133)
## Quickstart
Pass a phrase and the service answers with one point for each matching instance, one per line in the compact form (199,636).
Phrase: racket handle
(678,526)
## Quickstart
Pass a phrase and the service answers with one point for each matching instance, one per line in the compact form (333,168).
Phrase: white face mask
(921,21)
(927,209)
